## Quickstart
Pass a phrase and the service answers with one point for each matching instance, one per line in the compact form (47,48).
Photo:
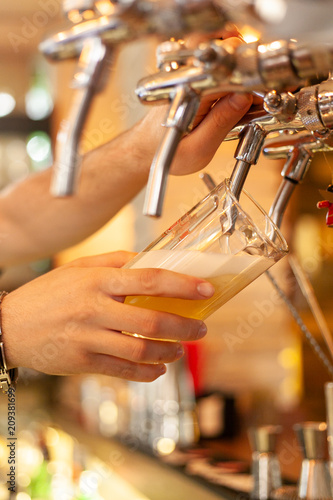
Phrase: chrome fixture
(91,38)
(217,66)
(314,482)
(265,464)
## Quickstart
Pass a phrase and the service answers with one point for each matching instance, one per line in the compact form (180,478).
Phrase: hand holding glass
(227,243)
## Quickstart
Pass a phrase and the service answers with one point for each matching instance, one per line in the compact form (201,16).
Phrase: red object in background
(194,361)
(329,215)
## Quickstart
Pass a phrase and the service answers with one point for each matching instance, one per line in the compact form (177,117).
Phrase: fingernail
(206,289)
(180,351)
(202,331)
(239,101)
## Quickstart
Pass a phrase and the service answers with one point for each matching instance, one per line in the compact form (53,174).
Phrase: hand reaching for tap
(71,320)
(111,176)
(218,113)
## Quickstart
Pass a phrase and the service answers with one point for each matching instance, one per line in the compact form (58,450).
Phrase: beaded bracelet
(7,377)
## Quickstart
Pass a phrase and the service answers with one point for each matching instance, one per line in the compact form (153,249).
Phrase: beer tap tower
(185,76)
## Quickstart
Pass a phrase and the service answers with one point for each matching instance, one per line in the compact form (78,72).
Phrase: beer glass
(225,241)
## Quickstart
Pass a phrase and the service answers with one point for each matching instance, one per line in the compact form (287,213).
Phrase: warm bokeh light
(108,412)
(39,150)
(272,12)
(38,103)
(288,358)
(105,7)
(165,446)
(250,34)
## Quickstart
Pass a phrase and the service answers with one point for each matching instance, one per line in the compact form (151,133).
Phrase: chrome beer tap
(86,82)
(97,27)
(281,114)
(180,116)
(172,57)
(298,150)
(307,121)
(93,55)
(216,66)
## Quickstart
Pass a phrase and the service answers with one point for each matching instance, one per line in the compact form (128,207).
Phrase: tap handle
(181,113)
(87,80)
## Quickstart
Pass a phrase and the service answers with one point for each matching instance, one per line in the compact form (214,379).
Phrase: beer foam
(195,263)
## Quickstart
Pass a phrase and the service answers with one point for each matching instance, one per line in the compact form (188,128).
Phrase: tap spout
(180,116)
(247,153)
(86,81)
(298,149)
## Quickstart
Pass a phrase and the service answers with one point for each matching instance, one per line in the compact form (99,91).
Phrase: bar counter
(149,477)
(215,469)
(158,478)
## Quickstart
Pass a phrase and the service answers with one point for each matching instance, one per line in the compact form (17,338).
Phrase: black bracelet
(8,378)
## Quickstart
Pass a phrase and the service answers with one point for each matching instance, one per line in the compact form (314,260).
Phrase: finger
(205,106)
(156,282)
(121,368)
(150,323)
(211,132)
(136,349)
(111,259)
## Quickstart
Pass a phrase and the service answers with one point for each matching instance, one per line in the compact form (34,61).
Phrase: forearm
(33,224)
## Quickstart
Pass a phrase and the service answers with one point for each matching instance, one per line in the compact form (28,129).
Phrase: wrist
(8,375)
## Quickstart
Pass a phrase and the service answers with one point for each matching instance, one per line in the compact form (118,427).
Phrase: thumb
(213,129)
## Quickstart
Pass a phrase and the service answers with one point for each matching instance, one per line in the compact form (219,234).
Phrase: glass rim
(283,248)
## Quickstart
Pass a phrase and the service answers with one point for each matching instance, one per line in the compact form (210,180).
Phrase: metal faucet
(180,116)
(215,67)
(83,41)
(86,81)
(303,122)
(127,20)
(298,150)
(185,76)
(91,38)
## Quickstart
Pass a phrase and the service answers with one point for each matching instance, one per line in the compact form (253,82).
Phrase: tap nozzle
(181,113)
(298,149)
(247,153)
(86,81)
